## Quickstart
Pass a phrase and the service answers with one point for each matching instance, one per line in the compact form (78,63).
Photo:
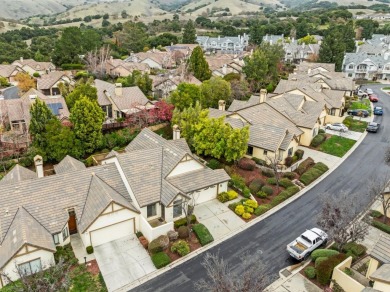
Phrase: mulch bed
(93,267)
(192,241)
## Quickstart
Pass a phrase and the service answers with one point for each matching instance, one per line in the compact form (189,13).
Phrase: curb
(179,261)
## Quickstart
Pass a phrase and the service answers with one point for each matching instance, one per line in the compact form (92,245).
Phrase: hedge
(268,172)
(233,206)
(160,260)
(259,161)
(299,153)
(356,248)
(323,253)
(321,166)
(285,182)
(289,175)
(319,260)
(238,181)
(262,209)
(325,268)
(305,165)
(309,176)
(317,140)
(268,190)
(203,234)
(89,249)
(310,272)
(183,221)
(381,226)
(375,214)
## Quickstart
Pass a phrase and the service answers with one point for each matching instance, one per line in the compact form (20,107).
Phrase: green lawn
(355,125)
(364,104)
(337,145)
(386,88)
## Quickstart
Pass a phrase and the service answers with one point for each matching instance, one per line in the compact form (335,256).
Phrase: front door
(72,222)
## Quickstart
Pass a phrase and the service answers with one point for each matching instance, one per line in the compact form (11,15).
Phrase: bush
(256,185)
(251,203)
(381,226)
(309,176)
(158,244)
(289,175)
(288,161)
(375,214)
(268,190)
(261,195)
(223,197)
(317,140)
(232,195)
(259,161)
(299,154)
(203,234)
(278,199)
(319,260)
(305,165)
(293,190)
(238,181)
(89,249)
(248,210)
(246,193)
(233,206)
(183,232)
(183,221)
(271,181)
(323,253)
(310,272)
(268,172)
(139,234)
(72,66)
(262,209)
(356,248)
(285,182)
(246,164)
(240,209)
(321,167)
(181,247)
(160,260)
(214,164)
(36,75)
(320,131)
(246,216)
(325,268)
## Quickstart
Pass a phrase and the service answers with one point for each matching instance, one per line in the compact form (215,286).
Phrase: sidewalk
(330,160)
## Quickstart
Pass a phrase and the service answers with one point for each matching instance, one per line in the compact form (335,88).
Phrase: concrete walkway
(298,283)
(349,134)
(318,156)
(79,249)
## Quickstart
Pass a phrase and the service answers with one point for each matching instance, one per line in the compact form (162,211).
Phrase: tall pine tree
(198,65)
(189,34)
(333,48)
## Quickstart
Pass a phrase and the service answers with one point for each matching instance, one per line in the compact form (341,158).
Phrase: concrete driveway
(123,261)
(218,218)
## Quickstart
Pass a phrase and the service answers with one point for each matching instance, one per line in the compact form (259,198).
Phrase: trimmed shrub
(246,164)
(248,210)
(356,248)
(246,216)
(183,232)
(288,161)
(183,221)
(381,226)
(278,199)
(139,234)
(223,197)
(233,206)
(310,272)
(320,131)
(160,260)
(268,172)
(375,214)
(240,209)
(256,185)
(268,190)
(293,190)
(238,181)
(317,140)
(202,233)
(246,193)
(323,253)
(309,176)
(299,154)
(261,195)
(320,260)
(36,75)
(214,164)
(89,249)
(321,166)
(181,247)
(289,175)
(259,161)
(271,181)
(325,268)
(285,182)
(305,165)
(262,209)
(232,195)
(251,203)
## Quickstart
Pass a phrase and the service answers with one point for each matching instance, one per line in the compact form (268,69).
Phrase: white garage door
(205,195)
(112,232)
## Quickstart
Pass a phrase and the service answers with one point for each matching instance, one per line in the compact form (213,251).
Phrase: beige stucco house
(48,84)
(31,66)
(9,72)
(120,68)
(142,189)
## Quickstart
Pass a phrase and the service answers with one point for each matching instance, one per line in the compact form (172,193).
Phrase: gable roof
(266,136)
(241,104)
(47,81)
(24,229)
(18,173)
(381,250)
(68,164)
(8,70)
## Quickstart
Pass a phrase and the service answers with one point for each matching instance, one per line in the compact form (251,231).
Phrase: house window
(332,111)
(249,150)
(315,132)
(265,152)
(177,208)
(65,233)
(31,267)
(290,151)
(350,66)
(350,74)
(151,210)
(56,238)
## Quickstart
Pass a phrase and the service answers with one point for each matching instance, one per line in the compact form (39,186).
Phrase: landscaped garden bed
(355,125)
(378,221)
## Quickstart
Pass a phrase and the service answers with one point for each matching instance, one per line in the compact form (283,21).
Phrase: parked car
(378,110)
(369,91)
(373,98)
(361,93)
(358,112)
(372,127)
(337,127)
(308,241)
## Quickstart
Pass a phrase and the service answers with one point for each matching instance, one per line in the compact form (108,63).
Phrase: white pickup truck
(308,241)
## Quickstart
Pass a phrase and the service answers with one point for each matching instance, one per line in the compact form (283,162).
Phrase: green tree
(236,143)
(198,65)
(81,90)
(185,95)
(214,90)
(307,40)
(133,36)
(91,40)
(349,36)
(137,78)
(68,47)
(332,48)
(4,82)
(87,118)
(189,34)
(368,26)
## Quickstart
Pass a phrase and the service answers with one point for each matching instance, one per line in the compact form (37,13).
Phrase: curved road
(273,234)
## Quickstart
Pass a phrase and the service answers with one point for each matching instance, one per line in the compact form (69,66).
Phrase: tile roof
(182,144)
(10,92)
(24,229)
(381,250)
(68,164)
(215,113)
(18,173)
(241,104)
(112,153)
(7,70)
(382,274)
(38,66)
(266,136)
(47,81)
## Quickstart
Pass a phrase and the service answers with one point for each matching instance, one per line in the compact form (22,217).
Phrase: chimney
(21,59)
(118,89)
(224,69)
(176,132)
(221,105)
(263,95)
(38,161)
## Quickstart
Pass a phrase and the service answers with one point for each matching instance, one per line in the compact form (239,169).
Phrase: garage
(112,232)
(205,194)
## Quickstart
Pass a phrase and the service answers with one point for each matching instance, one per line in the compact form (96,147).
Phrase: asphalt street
(268,238)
